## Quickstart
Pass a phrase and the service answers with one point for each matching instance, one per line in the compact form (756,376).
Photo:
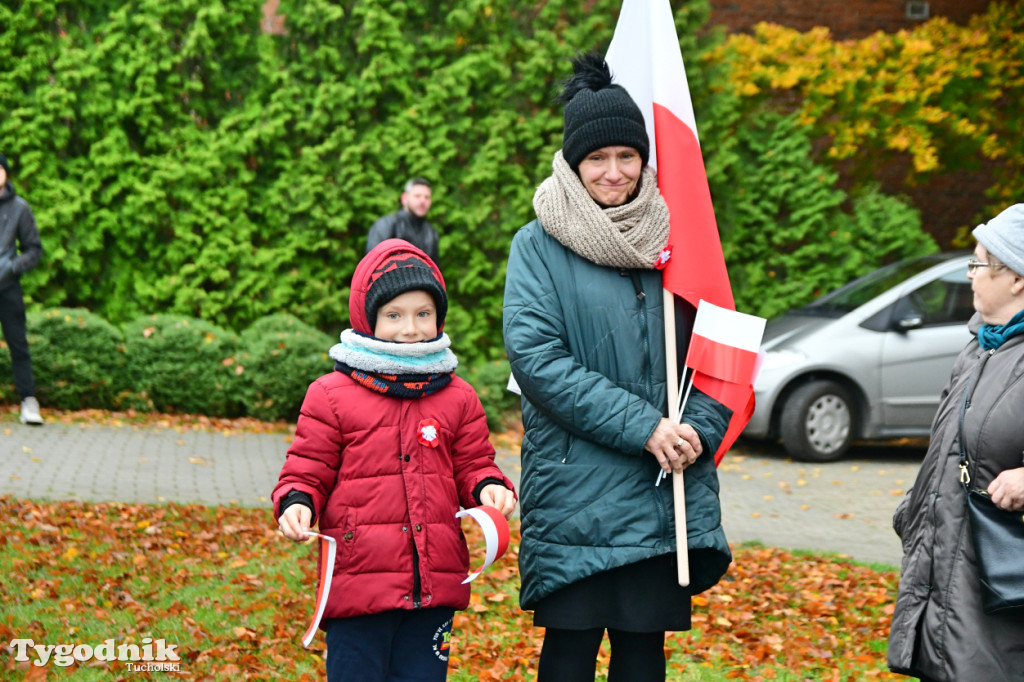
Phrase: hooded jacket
(939,630)
(587,347)
(380,489)
(17,226)
(404,225)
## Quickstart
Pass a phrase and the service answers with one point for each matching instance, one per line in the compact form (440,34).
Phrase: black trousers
(12,321)
(571,656)
(393,646)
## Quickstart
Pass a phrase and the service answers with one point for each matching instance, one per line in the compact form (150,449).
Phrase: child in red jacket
(387,448)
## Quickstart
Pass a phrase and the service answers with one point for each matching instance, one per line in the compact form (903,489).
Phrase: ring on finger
(679,443)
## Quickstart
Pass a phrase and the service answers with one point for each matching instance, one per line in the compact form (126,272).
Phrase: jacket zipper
(641,297)
(648,386)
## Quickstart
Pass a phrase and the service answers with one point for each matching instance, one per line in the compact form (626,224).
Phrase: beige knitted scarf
(627,236)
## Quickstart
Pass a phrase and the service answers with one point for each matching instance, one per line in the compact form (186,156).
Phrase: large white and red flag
(644,58)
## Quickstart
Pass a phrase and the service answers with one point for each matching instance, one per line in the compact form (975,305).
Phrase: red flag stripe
(697,267)
(720,360)
(737,397)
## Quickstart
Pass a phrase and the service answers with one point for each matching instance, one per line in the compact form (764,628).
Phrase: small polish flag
(724,354)
(725,343)
(328,551)
(496,534)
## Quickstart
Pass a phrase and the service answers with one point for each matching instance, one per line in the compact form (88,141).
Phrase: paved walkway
(147,465)
(843,507)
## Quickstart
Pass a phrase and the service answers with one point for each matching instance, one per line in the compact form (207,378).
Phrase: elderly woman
(584,332)
(939,630)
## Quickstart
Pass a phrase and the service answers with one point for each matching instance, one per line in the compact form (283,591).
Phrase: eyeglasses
(973,265)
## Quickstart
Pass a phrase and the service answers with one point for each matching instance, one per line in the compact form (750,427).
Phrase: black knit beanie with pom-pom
(598,113)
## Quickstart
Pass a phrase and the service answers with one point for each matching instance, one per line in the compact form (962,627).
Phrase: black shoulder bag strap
(965,476)
(997,535)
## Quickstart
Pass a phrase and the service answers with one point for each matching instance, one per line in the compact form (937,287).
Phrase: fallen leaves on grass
(236,596)
(819,618)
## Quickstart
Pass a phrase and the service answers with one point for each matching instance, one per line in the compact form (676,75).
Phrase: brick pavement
(843,507)
(146,465)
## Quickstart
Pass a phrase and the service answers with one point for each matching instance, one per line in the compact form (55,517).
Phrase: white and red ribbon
(496,534)
(328,550)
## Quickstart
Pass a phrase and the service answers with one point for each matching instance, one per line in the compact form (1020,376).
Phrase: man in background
(18,232)
(410,222)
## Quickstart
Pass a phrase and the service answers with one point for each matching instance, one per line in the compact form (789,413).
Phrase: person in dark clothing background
(18,233)
(409,222)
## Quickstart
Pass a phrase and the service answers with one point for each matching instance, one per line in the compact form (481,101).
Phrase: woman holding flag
(584,331)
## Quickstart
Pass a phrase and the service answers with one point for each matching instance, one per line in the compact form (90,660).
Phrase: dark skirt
(640,597)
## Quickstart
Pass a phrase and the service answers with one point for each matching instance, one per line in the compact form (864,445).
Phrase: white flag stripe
(490,538)
(645,59)
(729,327)
(327,570)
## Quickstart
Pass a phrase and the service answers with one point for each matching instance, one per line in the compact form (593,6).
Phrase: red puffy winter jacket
(377,487)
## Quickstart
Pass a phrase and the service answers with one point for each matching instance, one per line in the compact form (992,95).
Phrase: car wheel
(816,423)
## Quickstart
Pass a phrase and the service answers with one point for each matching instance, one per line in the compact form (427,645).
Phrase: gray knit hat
(1003,237)
(599,113)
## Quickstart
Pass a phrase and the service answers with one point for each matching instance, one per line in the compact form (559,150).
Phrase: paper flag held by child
(328,549)
(495,528)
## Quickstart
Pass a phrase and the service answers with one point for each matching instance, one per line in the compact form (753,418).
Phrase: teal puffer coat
(589,355)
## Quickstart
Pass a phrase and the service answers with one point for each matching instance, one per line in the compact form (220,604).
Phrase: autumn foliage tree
(948,96)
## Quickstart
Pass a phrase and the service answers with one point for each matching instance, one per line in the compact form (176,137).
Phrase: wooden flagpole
(672,390)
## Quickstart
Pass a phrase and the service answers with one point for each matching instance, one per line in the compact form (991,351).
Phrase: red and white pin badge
(663,257)
(496,534)
(429,433)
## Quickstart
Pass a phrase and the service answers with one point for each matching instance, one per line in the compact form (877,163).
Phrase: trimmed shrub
(78,360)
(280,356)
(184,364)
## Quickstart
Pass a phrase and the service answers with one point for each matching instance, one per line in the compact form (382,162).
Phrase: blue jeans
(393,646)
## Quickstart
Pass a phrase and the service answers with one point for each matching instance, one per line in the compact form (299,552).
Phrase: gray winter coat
(17,226)
(589,355)
(939,630)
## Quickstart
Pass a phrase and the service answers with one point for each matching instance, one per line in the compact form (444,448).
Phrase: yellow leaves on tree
(942,93)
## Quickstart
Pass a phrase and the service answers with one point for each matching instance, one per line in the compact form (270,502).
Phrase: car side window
(948,300)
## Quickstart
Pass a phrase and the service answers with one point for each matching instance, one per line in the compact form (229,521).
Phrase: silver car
(867,361)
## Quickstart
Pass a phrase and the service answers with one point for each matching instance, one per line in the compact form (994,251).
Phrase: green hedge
(179,364)
(792,234)
(184,364)
(490,379)
(280,356)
